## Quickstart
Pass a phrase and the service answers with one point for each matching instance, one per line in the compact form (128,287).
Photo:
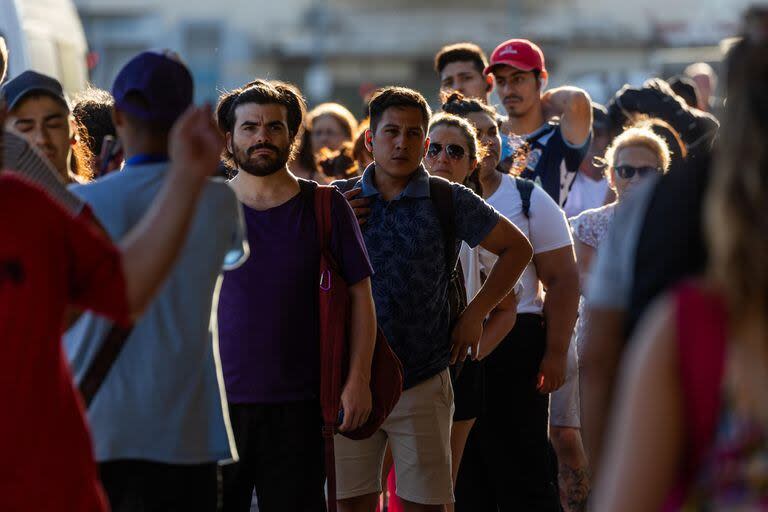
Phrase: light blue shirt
(163,398)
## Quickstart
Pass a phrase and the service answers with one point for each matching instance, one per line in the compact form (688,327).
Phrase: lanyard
(141,159)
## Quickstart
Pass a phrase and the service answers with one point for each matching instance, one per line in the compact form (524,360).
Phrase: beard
(261,165)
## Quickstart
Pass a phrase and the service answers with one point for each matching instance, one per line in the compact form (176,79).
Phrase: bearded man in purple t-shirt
(268,309)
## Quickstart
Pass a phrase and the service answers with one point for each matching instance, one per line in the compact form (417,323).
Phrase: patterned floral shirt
(734,474)
(410,284)
(590,227)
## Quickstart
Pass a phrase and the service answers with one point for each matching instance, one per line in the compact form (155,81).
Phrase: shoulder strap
(525,188)
(322,206)
(102,362)
(307,189)
(441,193)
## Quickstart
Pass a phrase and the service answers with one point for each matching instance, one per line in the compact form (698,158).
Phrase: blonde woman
(634,156)
(690,428)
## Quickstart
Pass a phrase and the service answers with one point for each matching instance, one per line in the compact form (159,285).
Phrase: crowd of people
(576,293)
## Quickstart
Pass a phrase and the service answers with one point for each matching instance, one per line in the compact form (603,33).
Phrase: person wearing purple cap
(39,110)
(159,420)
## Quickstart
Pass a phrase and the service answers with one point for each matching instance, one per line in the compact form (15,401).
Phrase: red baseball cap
(518,53)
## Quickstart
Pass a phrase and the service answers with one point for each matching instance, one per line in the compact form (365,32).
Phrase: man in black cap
(39,110)
(18,156)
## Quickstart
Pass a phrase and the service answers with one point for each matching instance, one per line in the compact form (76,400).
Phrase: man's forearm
(362,331)
(501,320)
(561,306)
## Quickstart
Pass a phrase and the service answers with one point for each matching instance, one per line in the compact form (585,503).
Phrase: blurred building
(339,49)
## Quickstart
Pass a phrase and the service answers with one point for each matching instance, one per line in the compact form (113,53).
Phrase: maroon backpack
(386,369)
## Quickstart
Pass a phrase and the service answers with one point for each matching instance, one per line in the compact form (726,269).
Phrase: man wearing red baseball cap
(507,463)
(556,124)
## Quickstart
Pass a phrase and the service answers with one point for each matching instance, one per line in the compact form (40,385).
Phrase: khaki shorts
(419,433)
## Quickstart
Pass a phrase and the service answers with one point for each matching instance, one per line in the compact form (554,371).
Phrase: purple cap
(163,82)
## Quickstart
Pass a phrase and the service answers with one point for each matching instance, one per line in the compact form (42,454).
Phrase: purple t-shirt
(268,307)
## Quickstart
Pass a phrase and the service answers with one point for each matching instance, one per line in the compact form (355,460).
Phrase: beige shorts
(419,433)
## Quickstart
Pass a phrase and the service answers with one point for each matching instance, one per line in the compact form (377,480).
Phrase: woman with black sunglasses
(634,157)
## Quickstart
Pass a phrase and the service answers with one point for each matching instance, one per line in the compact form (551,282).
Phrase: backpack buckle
(325,281)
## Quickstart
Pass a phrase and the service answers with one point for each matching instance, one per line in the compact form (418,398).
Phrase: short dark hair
(263,92)
(93,113)
(461,52)
(397,97)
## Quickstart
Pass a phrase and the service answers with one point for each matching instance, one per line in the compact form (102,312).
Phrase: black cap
(599,117)
(32,82)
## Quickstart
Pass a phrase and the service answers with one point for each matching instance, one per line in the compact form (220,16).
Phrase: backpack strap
(441,193)
(701,320)
(525,188)
(330,391)
(102,362)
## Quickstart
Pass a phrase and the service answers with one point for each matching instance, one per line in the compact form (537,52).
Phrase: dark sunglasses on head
(454,151)
(627,172)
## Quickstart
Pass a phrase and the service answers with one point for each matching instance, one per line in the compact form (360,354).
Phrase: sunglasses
(453,151)
(627,172)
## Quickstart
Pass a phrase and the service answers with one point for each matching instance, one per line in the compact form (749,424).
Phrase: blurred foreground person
(49,261)
(690,428)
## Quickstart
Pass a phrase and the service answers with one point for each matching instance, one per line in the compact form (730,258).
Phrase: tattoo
(574,488)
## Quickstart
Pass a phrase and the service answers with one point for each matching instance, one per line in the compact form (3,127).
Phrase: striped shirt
(21,158)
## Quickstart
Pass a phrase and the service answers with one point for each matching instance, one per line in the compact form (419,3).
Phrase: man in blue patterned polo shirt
(405,243)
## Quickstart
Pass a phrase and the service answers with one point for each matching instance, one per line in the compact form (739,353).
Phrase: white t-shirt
(475,271)
(547,229)
(585,194)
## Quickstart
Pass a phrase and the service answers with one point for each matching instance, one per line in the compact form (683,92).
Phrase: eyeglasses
(627,172)
(453,151)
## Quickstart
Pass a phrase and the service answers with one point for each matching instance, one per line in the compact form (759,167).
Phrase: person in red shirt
(51,259)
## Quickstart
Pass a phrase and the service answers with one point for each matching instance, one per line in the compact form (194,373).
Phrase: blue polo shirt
(410,284)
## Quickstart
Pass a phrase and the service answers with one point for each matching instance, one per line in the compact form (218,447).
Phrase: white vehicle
(46,36)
